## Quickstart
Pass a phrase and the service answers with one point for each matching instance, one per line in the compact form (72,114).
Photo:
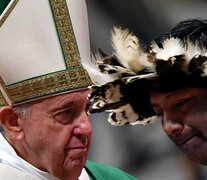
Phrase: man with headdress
(43,91)
(168,80)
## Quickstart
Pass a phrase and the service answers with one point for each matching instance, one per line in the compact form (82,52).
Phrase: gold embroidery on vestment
(9,10)
(66,34)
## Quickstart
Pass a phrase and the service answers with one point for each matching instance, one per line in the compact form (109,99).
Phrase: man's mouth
(79,147)
(187,140)
(183,139)
(77,151)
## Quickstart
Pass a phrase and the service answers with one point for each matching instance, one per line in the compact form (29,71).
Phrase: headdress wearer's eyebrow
(174,60)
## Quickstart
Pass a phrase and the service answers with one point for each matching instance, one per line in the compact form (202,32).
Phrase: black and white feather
(128,51)
(127,60)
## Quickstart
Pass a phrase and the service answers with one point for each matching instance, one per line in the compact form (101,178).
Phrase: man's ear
(10,122)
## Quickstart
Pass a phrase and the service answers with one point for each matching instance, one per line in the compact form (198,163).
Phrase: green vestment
(3,4)
(99,171)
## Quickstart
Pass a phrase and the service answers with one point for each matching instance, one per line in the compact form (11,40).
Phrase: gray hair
(1,129)
(22,110)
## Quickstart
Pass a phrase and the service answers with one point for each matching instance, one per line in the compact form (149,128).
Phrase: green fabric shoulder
(3,4)
(99,171)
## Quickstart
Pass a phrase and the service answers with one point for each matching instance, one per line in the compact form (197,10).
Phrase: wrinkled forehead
(72,96)
(64,99)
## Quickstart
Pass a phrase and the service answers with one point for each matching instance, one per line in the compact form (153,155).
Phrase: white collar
(8,156)
(84,175)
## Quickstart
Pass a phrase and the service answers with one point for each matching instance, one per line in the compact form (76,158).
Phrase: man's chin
(195,149)
(79,162)
(200,160)
(72,168)
(75,163)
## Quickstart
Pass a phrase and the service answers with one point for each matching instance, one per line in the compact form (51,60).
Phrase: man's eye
(64,116)
(182,102)
(67,111)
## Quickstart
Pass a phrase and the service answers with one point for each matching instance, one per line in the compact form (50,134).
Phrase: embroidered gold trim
(2,101)
(48,84)
(6,98)
(66,34)
(9,10)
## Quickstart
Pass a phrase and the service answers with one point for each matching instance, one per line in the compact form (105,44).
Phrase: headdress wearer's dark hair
(194,30)
(192,35)
(174,60)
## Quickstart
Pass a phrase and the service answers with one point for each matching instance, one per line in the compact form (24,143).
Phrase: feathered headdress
(176,59)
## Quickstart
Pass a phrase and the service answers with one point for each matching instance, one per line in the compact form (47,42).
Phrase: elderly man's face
(184,119)
(57,134)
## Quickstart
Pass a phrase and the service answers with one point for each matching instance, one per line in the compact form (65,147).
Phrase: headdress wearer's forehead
(44,44)
(174,60)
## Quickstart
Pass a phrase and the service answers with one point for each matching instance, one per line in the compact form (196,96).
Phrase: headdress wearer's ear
(175,59)
(44,45)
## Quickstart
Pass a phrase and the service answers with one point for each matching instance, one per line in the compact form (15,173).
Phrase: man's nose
(83,126)
(172,124)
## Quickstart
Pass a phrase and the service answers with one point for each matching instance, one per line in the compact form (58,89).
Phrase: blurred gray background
(145,152)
